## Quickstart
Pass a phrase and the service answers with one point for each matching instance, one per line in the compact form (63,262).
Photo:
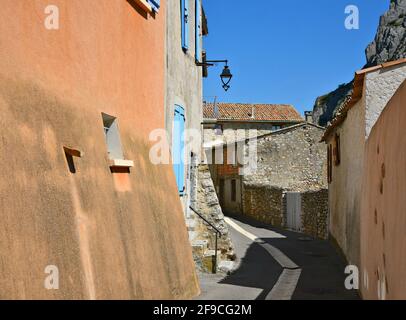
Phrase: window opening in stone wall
(112,135)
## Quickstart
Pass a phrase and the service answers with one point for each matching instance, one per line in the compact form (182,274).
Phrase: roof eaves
(358,89)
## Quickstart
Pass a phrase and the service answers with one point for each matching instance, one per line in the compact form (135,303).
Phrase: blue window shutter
(178,149)
(185,23)
(198,27)
(155,4)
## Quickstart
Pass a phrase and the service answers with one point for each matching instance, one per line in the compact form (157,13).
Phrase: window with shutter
(337,151)
(330,163)
(198,32)
(178,148)
(184,14)
(155,4)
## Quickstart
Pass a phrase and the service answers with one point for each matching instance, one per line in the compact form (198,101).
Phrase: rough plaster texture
(292,159)
(183,86)
(345,189)
(112,236)
(383,208)
(380,87)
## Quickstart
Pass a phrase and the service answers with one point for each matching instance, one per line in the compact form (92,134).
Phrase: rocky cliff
(389,44)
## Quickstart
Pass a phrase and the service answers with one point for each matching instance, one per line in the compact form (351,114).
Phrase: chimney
(309,116)
(216,109)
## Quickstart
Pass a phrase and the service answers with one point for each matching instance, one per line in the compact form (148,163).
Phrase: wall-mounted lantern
(225,76)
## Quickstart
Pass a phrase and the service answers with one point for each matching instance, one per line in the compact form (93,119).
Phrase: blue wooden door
(178,148)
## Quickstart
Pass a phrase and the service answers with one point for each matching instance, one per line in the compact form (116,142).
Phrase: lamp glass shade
(226,74)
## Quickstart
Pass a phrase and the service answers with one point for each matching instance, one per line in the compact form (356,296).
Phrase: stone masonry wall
(292,159)
(208,205)
(315,213)
(289,160)
(263,203)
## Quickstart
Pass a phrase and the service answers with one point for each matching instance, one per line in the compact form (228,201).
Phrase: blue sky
(286,51)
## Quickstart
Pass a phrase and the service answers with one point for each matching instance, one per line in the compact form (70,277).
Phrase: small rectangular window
(275,128)
(330,163)
(112,136)
(218,129)
(233,190)
(337,150)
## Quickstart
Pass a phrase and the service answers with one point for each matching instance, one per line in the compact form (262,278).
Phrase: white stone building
(346,137)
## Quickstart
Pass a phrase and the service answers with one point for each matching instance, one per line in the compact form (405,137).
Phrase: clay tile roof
(251,112)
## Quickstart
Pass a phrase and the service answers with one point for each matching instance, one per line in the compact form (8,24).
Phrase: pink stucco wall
(383,208)
(112,235)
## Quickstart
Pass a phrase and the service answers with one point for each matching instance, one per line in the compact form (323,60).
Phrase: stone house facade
(184,90)
(226,123)
(291,169)
(346,137)
(287,160)
(80,193)
(186,28)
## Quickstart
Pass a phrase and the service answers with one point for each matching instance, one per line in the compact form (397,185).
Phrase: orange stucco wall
(383,209)
(111,235)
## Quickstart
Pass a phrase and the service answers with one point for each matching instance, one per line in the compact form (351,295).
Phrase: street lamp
(225,76)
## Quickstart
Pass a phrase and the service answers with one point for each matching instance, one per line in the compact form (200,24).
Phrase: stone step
(209,253)
(199,247)
(208,259)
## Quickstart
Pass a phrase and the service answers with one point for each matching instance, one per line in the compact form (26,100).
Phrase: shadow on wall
(54,210)
(137,8)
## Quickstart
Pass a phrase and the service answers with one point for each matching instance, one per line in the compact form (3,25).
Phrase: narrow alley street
(277,265)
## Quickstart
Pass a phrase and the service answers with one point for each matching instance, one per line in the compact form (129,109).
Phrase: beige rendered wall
(380,87)
(383,210)
(118,235)
(184,87)
(345,189)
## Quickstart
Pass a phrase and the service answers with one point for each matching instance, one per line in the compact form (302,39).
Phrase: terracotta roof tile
(251,112)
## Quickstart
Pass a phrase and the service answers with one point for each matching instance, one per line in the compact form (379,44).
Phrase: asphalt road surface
(278,265)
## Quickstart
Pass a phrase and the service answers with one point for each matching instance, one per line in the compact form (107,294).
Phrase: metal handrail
(218,233)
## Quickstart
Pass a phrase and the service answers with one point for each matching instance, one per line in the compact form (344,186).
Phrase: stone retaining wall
(208,206)
(263,203)
(315,213)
